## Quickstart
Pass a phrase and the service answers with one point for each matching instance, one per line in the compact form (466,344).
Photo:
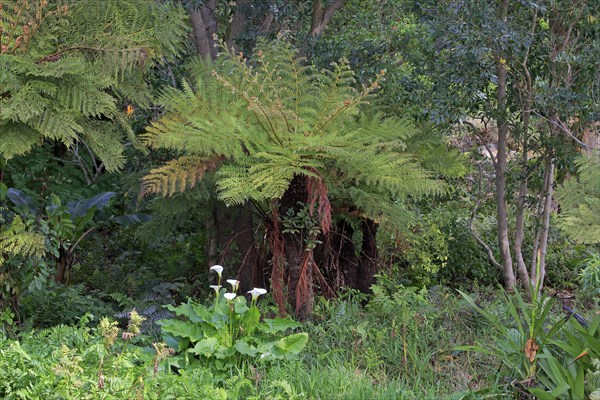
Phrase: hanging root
(304,293)
(278,259)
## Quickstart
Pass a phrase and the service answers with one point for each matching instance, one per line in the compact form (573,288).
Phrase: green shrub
(60,305)
(229,335)
(538,352)
(589,277)
(80,363)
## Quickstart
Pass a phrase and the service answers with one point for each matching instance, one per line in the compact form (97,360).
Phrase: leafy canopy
(261,122)
(66,70)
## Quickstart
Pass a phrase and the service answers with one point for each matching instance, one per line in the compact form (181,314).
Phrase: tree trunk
(368,261)
(236,244)
(238,23)
(204,27)
(345,266)
(321,15)
(539,255)
(501,168)
(64,262)
(211,247)
(521,199)
(298,264)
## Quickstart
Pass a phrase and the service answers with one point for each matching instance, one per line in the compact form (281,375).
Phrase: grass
(397,344)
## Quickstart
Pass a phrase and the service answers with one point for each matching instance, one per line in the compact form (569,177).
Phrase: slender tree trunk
(520,232)
(521,199)
(501,167)
(501,170)
(238,23)
(544,229)
(204,27)
(321,15)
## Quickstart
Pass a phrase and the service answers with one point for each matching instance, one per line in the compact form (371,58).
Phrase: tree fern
(579,199)
(16,240)
(272,118)
(285,133)
(67,68)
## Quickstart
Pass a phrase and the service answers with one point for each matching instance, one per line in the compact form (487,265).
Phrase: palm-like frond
(70,89)
(579,198)
(273,118)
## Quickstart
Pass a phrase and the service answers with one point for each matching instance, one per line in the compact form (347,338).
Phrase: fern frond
(273,118)
(61,89)
(16,240)
(579,198)
(17,139)
(178,175)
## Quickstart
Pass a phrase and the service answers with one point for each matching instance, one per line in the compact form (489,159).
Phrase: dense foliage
(366,173)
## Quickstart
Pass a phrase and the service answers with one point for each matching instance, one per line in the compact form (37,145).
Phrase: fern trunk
(347,265)
(299,266)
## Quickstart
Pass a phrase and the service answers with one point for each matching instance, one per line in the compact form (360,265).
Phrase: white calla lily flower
(216,288)
(234,284)
(230,296)
(218,269)
(256,292)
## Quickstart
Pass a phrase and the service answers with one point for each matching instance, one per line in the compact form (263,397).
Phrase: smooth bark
(321,15)
(204,27)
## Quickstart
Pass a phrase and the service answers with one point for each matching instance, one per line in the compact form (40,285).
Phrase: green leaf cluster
(261,122)
(82,61)
(72,362)
(561,360)
(579,198)
(228,335)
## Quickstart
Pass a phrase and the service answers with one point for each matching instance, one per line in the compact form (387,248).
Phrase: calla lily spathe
(230,296)
(256,292)
(234,284)
(218,269)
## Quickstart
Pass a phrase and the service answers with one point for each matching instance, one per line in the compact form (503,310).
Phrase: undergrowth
(399,343)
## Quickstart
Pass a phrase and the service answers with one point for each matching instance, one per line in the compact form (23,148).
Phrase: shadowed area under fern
(287,137)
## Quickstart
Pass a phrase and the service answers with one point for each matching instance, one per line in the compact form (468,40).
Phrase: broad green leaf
(292,344)
(130,219)
(84,220)
(279,324)
(184,329)
(171,341)
(80,208)
(209,330)
(251,319)
(19,199)
(223,352)
(205,347)
(201,311)
(240,308)
(244,348)
(541,395)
